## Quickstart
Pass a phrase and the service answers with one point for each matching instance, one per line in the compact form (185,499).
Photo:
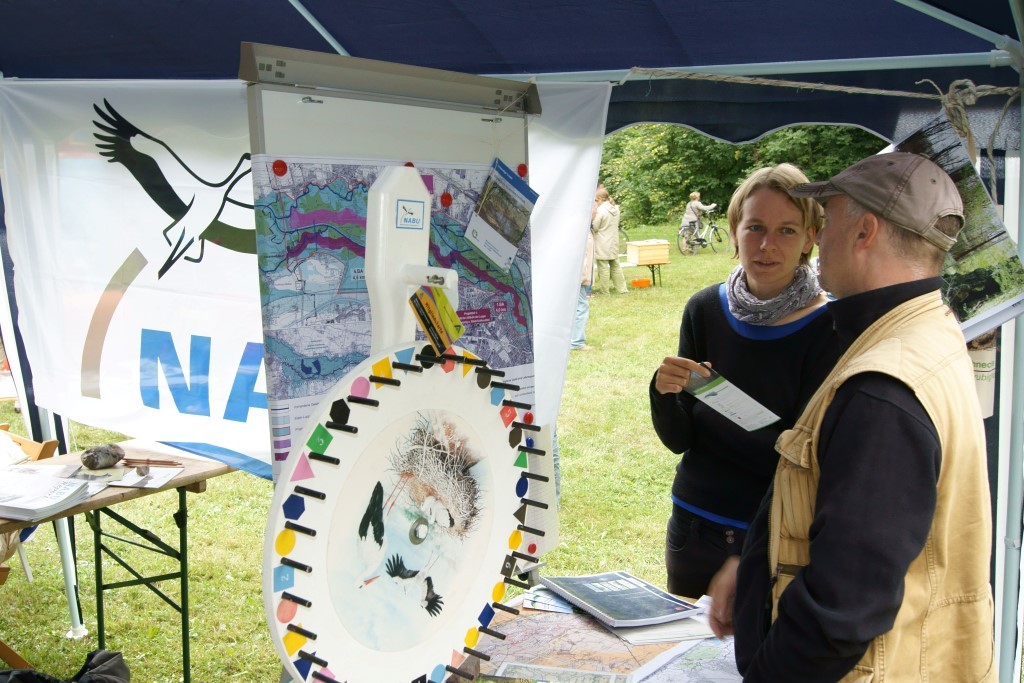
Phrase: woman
(605,227)
(694,210)
(766,330)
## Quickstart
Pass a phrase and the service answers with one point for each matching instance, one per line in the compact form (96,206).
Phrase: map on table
(701,661)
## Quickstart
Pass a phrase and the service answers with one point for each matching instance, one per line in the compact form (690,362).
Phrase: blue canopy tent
(885,45)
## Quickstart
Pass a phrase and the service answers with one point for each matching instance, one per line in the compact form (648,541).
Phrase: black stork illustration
(418,579)
(192,222)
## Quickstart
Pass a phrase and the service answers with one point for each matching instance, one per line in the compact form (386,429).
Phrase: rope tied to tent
(803,85)
(962,93)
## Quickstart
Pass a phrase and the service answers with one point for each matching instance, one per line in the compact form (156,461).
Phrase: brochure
(501,216)
(729,400)
(29,497)
(621,599)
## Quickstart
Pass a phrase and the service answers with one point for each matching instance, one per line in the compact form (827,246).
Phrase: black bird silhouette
(429,600)
(374,516)
(192,223)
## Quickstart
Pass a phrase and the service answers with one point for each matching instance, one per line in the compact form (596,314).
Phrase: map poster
(983,276)
(311,242)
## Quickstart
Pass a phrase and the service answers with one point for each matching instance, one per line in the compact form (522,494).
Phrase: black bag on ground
(101,666)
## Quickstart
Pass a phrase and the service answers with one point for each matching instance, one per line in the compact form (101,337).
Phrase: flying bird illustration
(194,221)
(429,600)
(371,535)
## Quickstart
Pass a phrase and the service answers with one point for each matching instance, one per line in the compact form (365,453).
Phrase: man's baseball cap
(908,190)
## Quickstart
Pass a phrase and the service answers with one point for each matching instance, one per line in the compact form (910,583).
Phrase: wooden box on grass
(647,252)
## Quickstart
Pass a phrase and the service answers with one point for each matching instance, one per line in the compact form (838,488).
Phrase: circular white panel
(391,523)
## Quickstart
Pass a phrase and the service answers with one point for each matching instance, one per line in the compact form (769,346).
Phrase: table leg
(67,562)
(97,541)
(181,518)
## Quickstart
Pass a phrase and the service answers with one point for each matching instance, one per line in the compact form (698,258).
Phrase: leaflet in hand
(729,400)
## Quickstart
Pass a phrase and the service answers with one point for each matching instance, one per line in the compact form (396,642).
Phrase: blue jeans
(578,338)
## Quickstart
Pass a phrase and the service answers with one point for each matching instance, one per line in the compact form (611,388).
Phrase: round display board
(393,521)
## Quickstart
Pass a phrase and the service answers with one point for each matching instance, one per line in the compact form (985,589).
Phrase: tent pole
(320,28)
(1015,469)
(1015,473)
(993,58)
(1002,42)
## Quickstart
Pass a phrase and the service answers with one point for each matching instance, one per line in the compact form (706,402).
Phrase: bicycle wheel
(623,238)
(683,243)
(720,236)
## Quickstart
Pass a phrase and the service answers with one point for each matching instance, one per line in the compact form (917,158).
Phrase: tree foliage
(650,169)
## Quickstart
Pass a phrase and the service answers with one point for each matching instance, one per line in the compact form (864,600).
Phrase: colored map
(311,242)
(704,661)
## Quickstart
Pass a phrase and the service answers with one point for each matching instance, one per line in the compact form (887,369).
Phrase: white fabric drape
(565,159)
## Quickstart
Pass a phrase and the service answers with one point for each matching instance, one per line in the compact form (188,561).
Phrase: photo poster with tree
(983,276)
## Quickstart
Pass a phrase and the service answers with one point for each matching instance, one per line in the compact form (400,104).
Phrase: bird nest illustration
(393,525)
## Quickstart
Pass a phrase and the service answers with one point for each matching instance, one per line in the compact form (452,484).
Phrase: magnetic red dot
(522,170)
(528,418)
(446,199)
(410,164)
(532,548)
(280,167)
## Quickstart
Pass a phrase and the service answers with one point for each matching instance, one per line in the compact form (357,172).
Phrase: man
(869,558)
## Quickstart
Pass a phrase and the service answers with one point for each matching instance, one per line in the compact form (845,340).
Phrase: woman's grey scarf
(748,308)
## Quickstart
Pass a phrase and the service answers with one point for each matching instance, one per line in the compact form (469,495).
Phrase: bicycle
(691,238)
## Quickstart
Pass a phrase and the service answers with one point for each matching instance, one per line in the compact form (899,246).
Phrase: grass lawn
(615,483)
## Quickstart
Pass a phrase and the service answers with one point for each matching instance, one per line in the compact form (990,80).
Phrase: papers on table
(155,478)
(31,496)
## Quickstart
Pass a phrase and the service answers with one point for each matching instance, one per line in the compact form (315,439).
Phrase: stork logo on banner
(192,222)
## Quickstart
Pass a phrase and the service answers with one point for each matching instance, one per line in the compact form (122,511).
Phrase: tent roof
(124,39)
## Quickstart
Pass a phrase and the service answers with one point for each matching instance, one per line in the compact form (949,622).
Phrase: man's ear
(867,229)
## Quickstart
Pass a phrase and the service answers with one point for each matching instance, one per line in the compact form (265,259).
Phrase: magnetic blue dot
(437,675)
(293,507)
(521,486)
(529,441)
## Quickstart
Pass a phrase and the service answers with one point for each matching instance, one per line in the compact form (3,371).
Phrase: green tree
(820,151)
(650,169)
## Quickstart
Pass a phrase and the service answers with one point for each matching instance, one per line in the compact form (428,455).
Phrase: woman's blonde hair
(694,196)
(780,178)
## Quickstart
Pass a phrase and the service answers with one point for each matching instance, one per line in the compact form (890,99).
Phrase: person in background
(766,330)
(578,337)
(694,211)
(606,244)
(869,560)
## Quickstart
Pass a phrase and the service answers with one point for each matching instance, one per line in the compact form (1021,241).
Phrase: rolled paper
(364,401)
(530,530)
(301,631)
(296,599)
(351,429)
(320,457)
(303,491)
(299,528)
(505,385)
(312,658)
(409,367)
(385,380)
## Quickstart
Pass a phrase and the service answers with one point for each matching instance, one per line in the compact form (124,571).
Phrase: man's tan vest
(943,631)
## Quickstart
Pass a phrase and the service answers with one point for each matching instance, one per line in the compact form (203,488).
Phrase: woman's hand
(674,374)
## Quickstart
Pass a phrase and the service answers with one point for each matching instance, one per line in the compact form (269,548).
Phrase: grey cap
(908,190)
